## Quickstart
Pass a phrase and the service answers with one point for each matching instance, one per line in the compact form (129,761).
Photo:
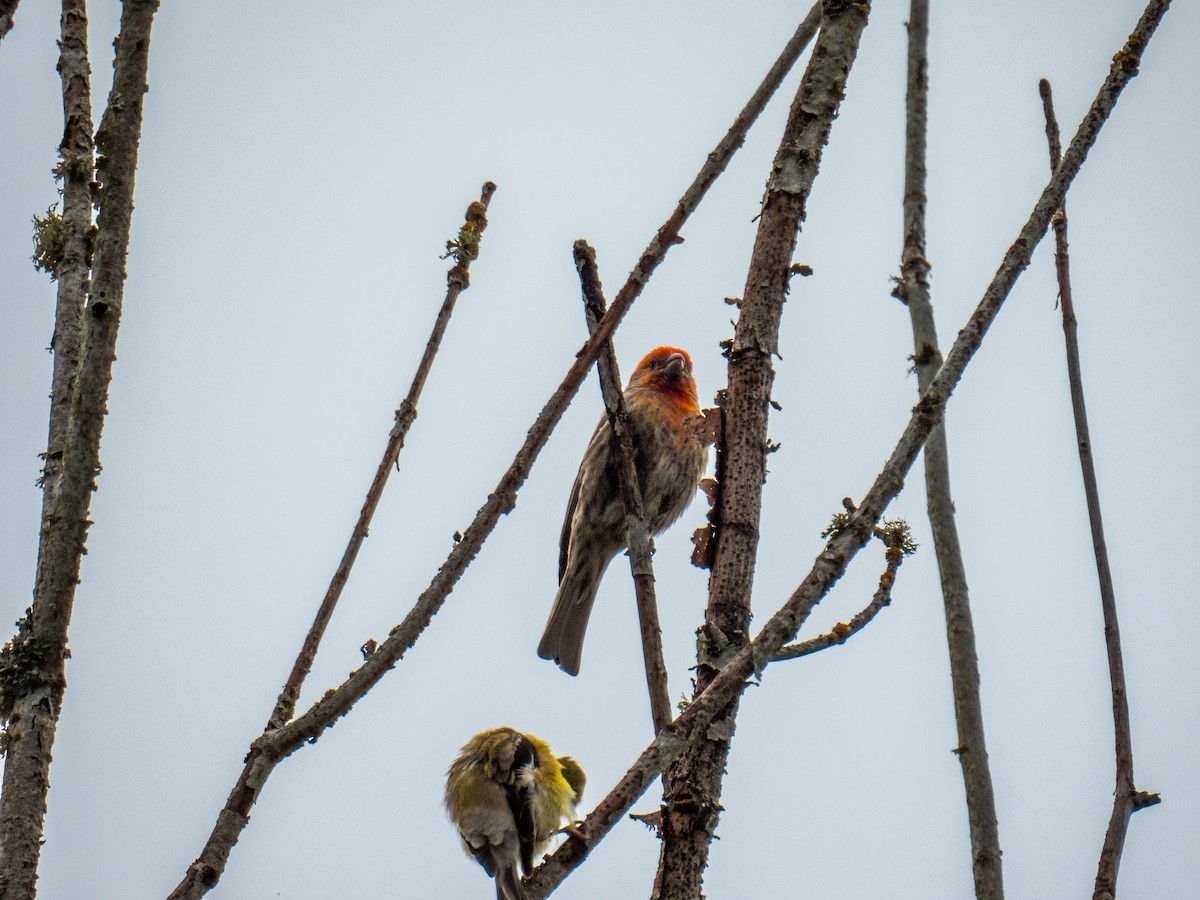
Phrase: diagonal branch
(637,526)
(913,290)
(1127,799)
(35,662)
(205,871)
(465,249)
(753,658)
(692,792)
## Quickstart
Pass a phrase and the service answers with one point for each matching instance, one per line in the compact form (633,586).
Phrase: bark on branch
(692,792)
(35,661)
(913,290)
(1127,799)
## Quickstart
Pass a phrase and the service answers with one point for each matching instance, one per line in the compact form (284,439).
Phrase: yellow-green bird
(507,793)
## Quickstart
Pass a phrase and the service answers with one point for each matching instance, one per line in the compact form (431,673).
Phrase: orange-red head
(668,371)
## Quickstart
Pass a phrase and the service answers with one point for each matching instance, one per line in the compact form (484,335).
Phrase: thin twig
(843,631)
(637,526)
(841,547)
(1127,799)
(457,281)
(692,792)
(203,874)
(913,289)
(36,699)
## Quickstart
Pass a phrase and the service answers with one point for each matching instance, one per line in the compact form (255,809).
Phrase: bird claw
(574,829)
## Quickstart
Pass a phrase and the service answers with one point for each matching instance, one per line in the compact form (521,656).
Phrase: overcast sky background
(303,164)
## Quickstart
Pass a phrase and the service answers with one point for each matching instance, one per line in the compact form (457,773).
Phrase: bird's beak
(675,364)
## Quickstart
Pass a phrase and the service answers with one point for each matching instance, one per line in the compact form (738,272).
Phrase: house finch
(507,793)
(670,459)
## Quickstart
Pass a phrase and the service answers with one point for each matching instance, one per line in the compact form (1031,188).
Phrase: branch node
(1142,799)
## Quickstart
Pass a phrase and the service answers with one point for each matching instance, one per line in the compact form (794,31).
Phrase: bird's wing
(516,790)
(564,539)
(599,444)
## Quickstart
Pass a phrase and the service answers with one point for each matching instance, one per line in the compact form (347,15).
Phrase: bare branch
(464,249)
(35,698)
(913,289)
(753,658)
(1127,799)
(693,789)
(637,526)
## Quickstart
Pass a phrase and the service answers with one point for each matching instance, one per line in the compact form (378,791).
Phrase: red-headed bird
(670,458)
(507,793)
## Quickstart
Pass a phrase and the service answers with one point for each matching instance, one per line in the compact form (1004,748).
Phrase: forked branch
(897,539)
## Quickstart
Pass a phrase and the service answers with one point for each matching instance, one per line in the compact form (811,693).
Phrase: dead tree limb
(1127,799)
(913,290)
(464,249)
(637,526)
(691,798)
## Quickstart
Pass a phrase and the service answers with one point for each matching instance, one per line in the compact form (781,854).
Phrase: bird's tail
(509,886)
(562,641)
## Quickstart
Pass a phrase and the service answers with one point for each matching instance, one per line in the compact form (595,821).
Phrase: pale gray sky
(302,166)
